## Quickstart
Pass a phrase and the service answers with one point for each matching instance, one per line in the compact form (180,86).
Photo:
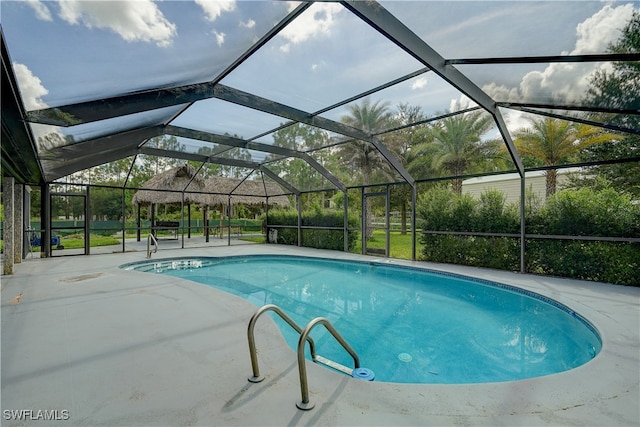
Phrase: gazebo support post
(205,222)
(229,222)
(188,220)
(138,223)
(153,220)
(182,218)
(221,220)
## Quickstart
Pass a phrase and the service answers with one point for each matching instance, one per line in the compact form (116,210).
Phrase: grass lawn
(399,244)
(75,241)
(260,239)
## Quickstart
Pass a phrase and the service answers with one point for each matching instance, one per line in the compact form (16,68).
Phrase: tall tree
(458,146)
(406,144)
(296,171)
(361,155)
(555,141)
(619,87)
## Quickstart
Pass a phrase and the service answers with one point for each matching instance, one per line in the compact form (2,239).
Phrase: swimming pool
(408,325)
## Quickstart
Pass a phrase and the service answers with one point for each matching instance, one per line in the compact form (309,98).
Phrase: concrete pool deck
(109,347)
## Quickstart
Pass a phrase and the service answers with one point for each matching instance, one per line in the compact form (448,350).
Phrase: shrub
(610,262)
(314,238)
(591,212)
(600,211)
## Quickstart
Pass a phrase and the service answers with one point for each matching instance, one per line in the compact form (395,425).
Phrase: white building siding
(509,184)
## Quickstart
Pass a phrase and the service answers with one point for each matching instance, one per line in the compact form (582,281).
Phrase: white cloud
(249,24)
(462,103)
(315,21)
(31,88)
(32,91)
(139,20)
(569,81)
(420,83)
(318,65)
(219,37)
(42,11)
(214,8)
(285,48)
(595,33)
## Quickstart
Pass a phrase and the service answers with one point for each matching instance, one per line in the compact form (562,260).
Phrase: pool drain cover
(405,357)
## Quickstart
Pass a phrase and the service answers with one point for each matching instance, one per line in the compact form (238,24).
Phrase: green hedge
(313,238)
(610,262)
(585,212)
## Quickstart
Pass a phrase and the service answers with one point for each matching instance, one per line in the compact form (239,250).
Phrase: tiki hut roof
(175,179)
(244,192)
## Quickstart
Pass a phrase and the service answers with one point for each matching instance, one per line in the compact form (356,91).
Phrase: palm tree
(361,155)
(555,141)
(458,147)
(371,118)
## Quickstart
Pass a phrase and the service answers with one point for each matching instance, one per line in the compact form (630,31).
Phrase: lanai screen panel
(89,50)
(427,91)
(225,118)
(300,174)
(481,29)
(322,58)
(257,70)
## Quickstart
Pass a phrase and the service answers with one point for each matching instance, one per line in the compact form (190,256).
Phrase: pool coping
(60,296)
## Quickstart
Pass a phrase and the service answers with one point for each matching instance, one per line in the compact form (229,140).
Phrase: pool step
(333,365)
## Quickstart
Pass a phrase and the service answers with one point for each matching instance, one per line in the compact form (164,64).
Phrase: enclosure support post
(87,221)
(18,228)
(8,190)
(387,208)
(45,204)
(523,227)
(346,220)
(124,220)
(266,221)
(363,222)
(299,203)
(26,209)
(414,197)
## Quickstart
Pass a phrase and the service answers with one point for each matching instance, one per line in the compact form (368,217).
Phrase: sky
(76,50)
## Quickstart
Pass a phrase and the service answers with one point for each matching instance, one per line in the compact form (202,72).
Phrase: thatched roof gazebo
(245,192)
(167,188)
(181,185)
(224,191)
(177,186)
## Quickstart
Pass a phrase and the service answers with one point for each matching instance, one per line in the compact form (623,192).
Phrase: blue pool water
(407,325)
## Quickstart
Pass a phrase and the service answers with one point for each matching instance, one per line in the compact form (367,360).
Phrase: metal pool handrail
(155,241)
(304,337)
(304,403)
(256,378)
